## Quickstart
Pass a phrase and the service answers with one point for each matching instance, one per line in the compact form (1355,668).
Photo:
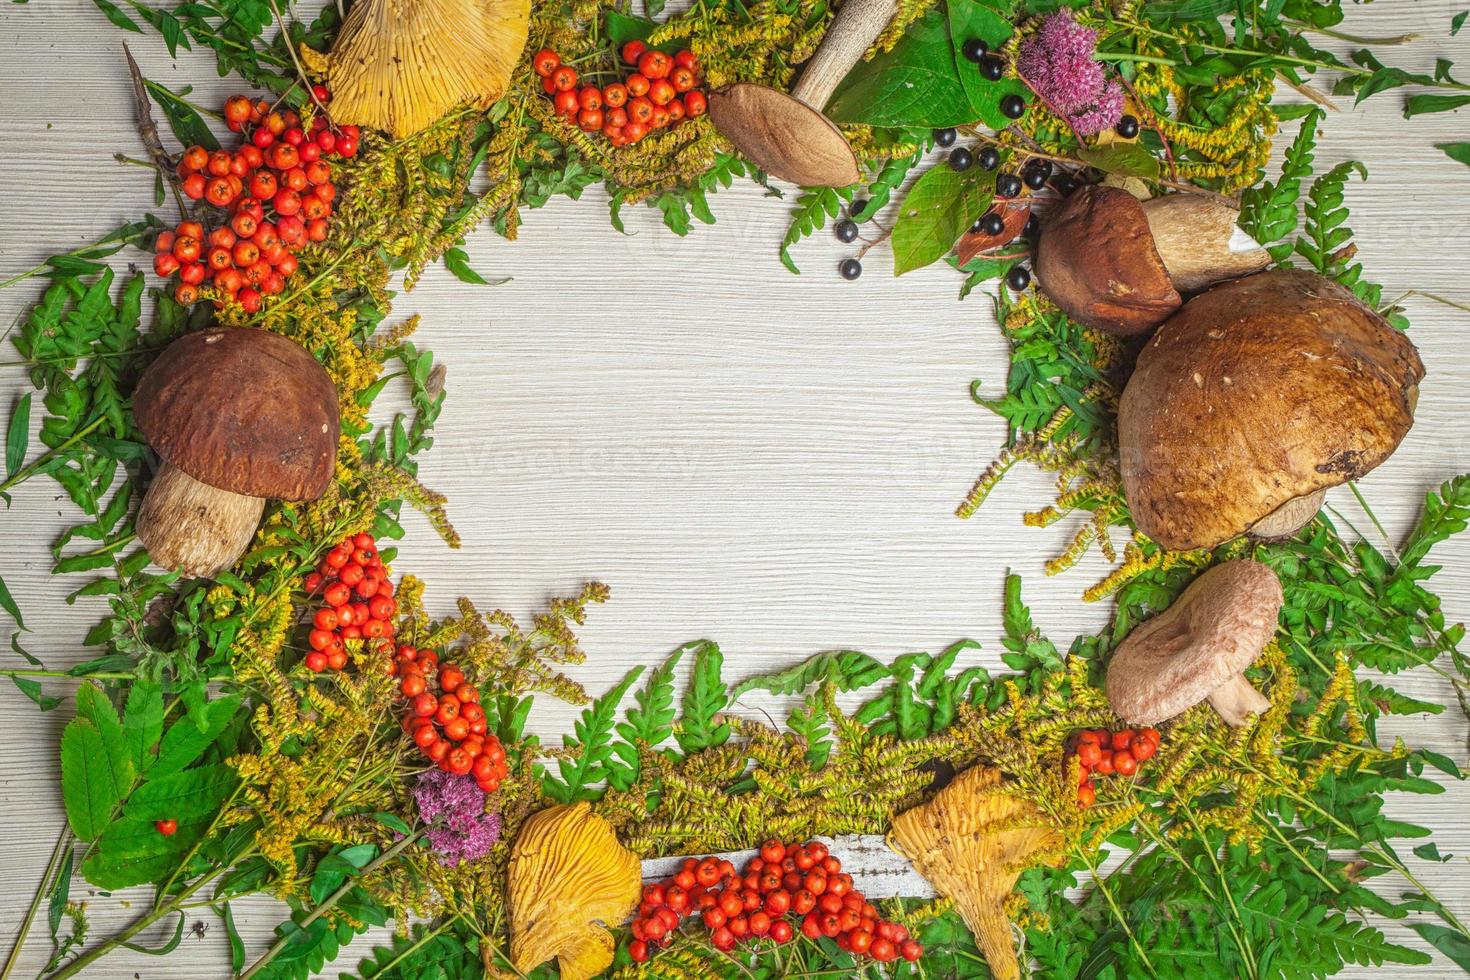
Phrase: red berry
(722,939)
(166,827)
(654,64)
(545,62)
(1124,763)
(1088,754)
(1086,795)
(910,950)
(638,950)
(316,661)
(633,50)
(695,104)
(781,931)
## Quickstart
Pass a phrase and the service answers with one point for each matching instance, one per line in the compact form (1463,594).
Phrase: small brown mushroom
(1253,400)
(1119,264)
(786,135)
(238,415)
(1199,648)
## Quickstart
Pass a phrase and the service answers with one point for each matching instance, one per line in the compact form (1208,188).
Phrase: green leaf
(458,262)
(1418,105)
(938,209)
(649,723)
(114,13)
(593,739)
(185,795)
(704,699)
(17,435)
(848,670)
(187,125)
(237,944)
(94,777)
(621,28)
(813,207)
(131,851)
(917,84)
(990,21)
(60,893)
(1459,152)
(1123,159)
(1458,21)
(7,602)
(1449,942)
(185,741)
(143,722)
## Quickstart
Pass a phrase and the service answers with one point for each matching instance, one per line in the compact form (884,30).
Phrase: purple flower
(1057,61)
(454,807)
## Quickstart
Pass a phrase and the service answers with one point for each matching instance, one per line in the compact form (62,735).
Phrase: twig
(62,843)
(148,131)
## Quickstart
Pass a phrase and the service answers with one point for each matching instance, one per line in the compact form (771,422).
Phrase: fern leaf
(581,773)
(699,727)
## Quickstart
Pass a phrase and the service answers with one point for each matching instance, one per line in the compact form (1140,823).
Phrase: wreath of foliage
(1247,852)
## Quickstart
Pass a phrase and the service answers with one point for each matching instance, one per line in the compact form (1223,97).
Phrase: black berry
(1013,106)
(1018,278)
(857,207)
(1127,127)
(1037,173)
(1065,185)
(850,269)
(1032,229)
(960,158)
(944,137)
(1007,185)
(974,49)
(992,224)
(847,230)
(990,158)
(992,68)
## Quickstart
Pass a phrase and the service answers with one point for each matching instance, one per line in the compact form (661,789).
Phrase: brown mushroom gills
(191,525)
(787,135)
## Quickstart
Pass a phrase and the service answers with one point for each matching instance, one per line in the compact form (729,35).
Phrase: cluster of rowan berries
(1103,753)
(660,92)
(278,190)
(358,597)
(785,887)
(450,726)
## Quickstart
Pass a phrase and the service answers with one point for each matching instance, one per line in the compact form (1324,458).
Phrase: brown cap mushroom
(238,415)
(1119,264)
(786,135)
(1199,648)
(398,65)
(1253,400)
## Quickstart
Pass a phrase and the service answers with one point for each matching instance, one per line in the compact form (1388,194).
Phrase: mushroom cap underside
(1215,630)
(398,65)
(243,410)
(1096,260)
(784,136)
(1257,392)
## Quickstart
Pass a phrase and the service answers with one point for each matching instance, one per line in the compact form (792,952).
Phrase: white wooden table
(765,460)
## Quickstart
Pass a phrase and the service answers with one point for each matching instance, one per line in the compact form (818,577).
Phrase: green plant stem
(62,843)
(328,904)
(65,674)
(26,471)
(113,942)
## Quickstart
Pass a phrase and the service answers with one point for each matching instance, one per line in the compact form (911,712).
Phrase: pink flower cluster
(454,808)
(1057,61)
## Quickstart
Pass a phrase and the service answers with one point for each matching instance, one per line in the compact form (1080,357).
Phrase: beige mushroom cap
(1097,261)
(398,65)
(784,136)
(1259,392)
(1198,648)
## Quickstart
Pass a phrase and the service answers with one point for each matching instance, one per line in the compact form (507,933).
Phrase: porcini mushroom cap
(1206,639)
(1096,260)
(243,410)
(1257,392)
(398,65)
(784,136)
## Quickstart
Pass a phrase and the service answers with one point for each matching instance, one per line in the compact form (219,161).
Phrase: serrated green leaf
(705,697)
(185,741)
(185,795)
(592,745)
(849,670)
(95,776)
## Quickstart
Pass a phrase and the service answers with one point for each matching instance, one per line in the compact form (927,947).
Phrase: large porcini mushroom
(972,841)
(238,415)
(1119,264)
(787,136)
(1198,648)
(398,65)
(568,873)
(1253,400)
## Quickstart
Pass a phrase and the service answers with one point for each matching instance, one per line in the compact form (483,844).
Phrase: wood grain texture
(766,460)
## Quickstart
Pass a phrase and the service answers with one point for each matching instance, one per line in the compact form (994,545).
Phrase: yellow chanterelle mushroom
(398,65)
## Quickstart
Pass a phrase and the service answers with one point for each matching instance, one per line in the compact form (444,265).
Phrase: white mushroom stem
(851,33)
(191,525)
(1199,242)
(1236,701)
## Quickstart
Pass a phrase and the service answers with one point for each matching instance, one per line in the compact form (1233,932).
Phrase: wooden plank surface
(765,460)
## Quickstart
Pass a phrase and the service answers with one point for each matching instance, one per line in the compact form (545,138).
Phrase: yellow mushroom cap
(567,874)
(398,65)
(972,841)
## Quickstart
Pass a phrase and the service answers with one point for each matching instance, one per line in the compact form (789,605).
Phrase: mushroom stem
(1290,517)
(856,26)
(1199,241)
(1236,700)
(993,935)
(191,525)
